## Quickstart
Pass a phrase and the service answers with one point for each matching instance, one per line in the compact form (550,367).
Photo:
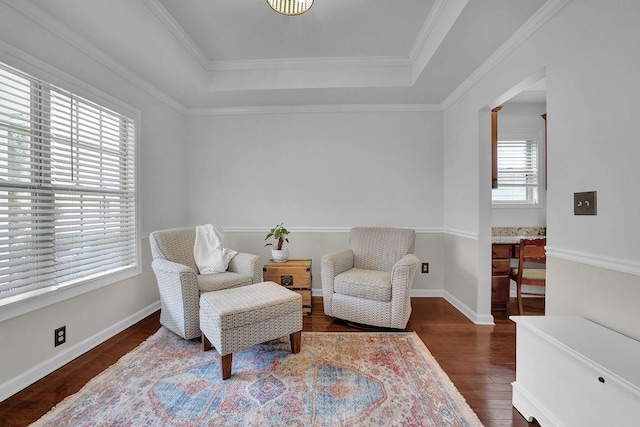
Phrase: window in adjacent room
(518,173)
(67,188)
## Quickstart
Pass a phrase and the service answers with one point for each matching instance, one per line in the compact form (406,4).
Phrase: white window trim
(13,307)
(527,134)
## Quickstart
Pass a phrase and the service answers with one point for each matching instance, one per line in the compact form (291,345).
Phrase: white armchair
(370,283)
(180,282)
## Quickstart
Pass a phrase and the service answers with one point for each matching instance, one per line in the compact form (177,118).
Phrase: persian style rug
(338,379)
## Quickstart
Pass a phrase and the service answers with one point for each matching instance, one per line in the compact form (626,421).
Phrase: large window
(517,172)
(67,188)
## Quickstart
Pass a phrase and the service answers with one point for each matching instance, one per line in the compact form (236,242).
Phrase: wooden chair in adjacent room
(531,268)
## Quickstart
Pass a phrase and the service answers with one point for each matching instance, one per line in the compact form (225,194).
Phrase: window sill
(15,306)
(516,206)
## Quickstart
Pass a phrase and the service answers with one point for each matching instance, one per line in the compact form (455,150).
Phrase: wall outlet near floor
(60,336)
(425,267)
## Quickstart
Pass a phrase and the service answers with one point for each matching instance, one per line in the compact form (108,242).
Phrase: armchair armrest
(247,264)
(173,276)
(169,267)
(331,265)
(179,297)
(335,263)
(402,275)
(404,271)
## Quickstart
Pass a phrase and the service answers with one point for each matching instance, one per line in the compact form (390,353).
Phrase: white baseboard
(484,319)
(43,369)
(427,293)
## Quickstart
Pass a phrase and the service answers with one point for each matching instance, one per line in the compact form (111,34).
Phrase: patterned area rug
(348,379)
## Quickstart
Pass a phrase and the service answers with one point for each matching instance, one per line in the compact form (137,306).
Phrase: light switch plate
(585,203)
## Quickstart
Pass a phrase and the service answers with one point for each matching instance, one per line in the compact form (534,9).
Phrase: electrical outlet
(425,267)
(60,336)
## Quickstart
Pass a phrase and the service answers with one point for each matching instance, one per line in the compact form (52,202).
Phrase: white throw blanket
(209,252)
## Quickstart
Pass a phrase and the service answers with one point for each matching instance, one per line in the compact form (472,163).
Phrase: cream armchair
(180,282)
(370,283)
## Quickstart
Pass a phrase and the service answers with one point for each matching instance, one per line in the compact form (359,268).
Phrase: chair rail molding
(460,233)
(622,266)
(419,230)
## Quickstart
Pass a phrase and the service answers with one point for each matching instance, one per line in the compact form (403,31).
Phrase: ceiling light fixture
(290,7)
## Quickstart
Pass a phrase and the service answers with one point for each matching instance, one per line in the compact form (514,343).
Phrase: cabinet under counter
(503,250)
(500,266)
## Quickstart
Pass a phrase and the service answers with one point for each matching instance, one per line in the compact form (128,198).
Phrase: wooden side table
(294,274)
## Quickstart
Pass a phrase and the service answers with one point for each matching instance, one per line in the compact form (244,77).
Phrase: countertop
(513,239)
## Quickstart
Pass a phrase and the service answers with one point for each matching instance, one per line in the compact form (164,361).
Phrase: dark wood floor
(480,360)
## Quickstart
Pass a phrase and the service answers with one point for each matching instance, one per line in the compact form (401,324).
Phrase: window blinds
(67,186)
(517,163)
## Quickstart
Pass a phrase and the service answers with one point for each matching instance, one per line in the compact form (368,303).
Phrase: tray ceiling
(239,53)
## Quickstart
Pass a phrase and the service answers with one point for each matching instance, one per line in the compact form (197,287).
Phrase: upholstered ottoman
(237,318)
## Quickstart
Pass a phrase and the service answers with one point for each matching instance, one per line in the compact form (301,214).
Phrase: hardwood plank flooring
(480,360)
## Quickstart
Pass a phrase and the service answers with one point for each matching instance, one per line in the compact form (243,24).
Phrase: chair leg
(226,362)
(296,339)
(519,286)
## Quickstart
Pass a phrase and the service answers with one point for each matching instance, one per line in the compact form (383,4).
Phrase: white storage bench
(573,372)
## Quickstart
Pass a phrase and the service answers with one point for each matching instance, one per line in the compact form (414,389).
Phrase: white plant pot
(280,255)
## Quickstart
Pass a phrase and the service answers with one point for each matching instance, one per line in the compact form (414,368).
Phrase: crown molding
(426,30)
(265,64)
(441,18)
(330,108)
(300,63)
(305,63)
(546,12)
(179,33)
(51,24)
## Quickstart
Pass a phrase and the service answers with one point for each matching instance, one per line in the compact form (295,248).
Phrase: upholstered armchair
(180,282)
(370,283)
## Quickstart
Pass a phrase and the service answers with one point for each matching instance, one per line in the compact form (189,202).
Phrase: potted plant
(279,234)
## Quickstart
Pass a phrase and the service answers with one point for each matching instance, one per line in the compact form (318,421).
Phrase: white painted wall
(522,118)
(317,169)
(27,349)
(588,50)
(321,173)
